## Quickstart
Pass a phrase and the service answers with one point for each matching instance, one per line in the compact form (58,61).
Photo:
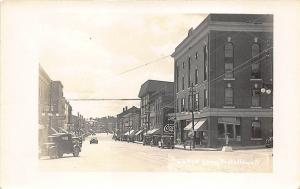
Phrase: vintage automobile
(166,141)
(94,140)
(269,142)
(77,140)
(59,144)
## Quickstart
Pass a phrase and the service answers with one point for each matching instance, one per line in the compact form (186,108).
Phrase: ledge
(228,107)
(252,79)
(229,79)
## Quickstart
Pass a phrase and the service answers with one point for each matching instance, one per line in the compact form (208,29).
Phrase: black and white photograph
(149,94)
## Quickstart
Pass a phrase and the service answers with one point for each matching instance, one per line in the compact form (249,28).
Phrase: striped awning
(199,125)
(139,132)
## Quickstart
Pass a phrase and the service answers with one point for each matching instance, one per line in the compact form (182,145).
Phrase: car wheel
(60,155)
(76,152)
(53,153)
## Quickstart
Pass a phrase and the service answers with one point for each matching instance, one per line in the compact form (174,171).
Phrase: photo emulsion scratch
(156,92)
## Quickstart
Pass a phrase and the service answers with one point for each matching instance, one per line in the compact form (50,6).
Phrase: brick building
(157,99)
(227,61)
(128,123)
(58,105)
(44,104)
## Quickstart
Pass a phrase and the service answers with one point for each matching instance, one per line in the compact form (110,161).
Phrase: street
(110,155)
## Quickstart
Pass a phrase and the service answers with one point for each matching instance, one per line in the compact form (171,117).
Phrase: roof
(133,109)
(151,86)
(250,19)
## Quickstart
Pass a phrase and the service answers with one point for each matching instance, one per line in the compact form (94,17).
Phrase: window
(205,63)
(183,105)
(229,130)
(190,104)
(182,82)
(196,102)
(228,60)
(228,96)
(189,72)
(228,50)
(177,78)
(183,65)
(255,97)
(196,55)
(221,130)
(255,129)
(255,63)
(205,98)
(196,75)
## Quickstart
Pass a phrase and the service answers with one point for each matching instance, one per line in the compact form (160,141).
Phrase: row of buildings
(55,112)
(222,90)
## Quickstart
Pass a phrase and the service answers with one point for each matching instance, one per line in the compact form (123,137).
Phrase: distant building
(44,104)
(68,116)
(58,105)
(128,123)
(157,99)
(228,59)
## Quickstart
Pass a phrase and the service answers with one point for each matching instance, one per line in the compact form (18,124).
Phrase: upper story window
(205,98)
(196,75)
(255,98)
(196,55)
(196,102)
(177,78)
(182,82)
(228,95)
(189,72)
(182,65)
(183,105)
(205,70)
(255,67)
(228,60)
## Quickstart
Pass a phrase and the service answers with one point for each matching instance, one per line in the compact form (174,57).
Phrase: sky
(88,51)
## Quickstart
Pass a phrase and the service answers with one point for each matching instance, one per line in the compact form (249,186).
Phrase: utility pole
(193,124)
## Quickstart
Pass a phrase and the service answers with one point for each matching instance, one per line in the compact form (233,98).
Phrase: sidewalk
(197,148)
(138,142)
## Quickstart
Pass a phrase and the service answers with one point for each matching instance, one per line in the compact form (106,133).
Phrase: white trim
(256,139)
(229,79)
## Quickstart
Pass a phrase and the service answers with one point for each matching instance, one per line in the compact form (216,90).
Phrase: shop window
(229,130)
(255,129)
(228,96)
(255,97)
(238,130)
(221,130)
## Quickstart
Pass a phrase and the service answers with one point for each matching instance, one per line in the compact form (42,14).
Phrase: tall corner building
(223,72)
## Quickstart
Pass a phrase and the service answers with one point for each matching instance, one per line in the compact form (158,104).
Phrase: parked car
(77,140)
(166,141)
(94,140)
(60,144)
(269,142)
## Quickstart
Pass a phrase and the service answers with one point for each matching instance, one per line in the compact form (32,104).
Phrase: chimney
(126,108)
(123,109)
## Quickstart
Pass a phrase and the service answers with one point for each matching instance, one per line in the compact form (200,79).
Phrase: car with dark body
(94,140)
(59,144)
(269,142)
(167,141)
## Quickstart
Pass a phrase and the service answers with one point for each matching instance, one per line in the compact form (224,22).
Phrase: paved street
(111,155)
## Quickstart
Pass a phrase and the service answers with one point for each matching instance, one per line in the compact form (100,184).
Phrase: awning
(53,130)
(153,132)
(199,126)
(63,130)
(139,132)
(131,132)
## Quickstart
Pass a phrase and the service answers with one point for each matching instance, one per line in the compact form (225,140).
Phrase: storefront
(200,131)
(139,135)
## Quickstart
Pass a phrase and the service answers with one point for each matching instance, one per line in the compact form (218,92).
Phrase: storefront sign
(169,129)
